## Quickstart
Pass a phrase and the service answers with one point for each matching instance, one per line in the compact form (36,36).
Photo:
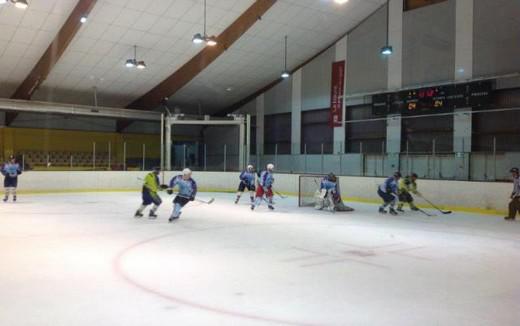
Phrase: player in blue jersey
(11,170)
(247,180)
(328,196)
(187,190)
(388,191)
(265,187)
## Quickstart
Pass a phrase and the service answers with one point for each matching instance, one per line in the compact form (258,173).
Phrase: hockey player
(388,192)
(265,187)
(187,192)
(247,180)
(329,197)
(151,187)
(11,170)
(514,204)
(407,186)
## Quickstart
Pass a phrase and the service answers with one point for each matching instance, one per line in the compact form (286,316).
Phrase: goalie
(328,196)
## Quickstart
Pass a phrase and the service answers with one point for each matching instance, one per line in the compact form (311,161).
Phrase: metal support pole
(168,143)
(124,156)
(184,156)
(433,157)
(109,155)
(225,157)
(205,157)
(276,155)
(408,167)
(495,158)
(241,140)
(305,153)
(248,140)
(322,159)
(23,162)
(162,144)
(144,157)
(71,167)
(383,158)
(94,156)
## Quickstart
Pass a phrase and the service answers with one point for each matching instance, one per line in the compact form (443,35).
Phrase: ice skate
(152,215)
(382,210)
(138,214)
(393,212)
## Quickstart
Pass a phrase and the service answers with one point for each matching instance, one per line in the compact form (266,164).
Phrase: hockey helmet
(270,166)
(332,177)
(186,172)
(397,175)
(250,167)
(514,170)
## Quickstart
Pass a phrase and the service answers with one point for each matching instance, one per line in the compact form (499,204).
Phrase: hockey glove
(164,187)
(170,192)
(192,198)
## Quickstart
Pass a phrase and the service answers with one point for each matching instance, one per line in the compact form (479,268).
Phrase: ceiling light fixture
(285,73)
(204,38)
(141,65)
(83,19)
(21,4)
(387,50)
(340,2)
(133,63)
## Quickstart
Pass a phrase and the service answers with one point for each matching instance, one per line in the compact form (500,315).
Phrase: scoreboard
(437,99)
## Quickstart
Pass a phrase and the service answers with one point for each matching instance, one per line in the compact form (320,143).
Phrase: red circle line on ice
(119,270)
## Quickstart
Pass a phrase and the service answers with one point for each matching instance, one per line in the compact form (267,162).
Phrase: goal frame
(240,121)
(301,176)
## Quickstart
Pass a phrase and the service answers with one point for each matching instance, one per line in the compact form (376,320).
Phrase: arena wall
(478,197)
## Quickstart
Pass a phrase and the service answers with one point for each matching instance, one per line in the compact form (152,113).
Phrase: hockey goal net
(307,186)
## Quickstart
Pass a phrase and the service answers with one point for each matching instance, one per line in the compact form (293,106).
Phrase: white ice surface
(82,259)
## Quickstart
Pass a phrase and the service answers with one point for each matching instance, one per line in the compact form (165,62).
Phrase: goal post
(307,186)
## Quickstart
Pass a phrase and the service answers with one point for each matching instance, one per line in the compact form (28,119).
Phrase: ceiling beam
(51,56)
(200,61)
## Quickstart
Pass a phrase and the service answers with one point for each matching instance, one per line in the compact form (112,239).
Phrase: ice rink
(82,259)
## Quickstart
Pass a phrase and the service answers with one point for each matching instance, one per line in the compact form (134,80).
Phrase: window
(316,131)
(364,136)
(502,127)
(428,134)
(277,133)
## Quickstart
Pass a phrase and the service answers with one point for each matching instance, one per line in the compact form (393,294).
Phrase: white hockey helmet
(186,171)
(270,166)
(250,167)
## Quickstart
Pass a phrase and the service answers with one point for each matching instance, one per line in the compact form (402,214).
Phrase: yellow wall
(15,140)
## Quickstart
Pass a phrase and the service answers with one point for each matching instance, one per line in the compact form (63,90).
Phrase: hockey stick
(280,195)
(207,202)
(434,206)
(425,213)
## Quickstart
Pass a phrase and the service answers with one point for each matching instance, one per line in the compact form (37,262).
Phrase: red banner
(336,94)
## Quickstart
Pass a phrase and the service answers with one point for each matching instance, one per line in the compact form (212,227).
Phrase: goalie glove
(163,187)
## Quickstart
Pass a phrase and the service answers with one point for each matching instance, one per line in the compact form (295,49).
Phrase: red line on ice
(232,313)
